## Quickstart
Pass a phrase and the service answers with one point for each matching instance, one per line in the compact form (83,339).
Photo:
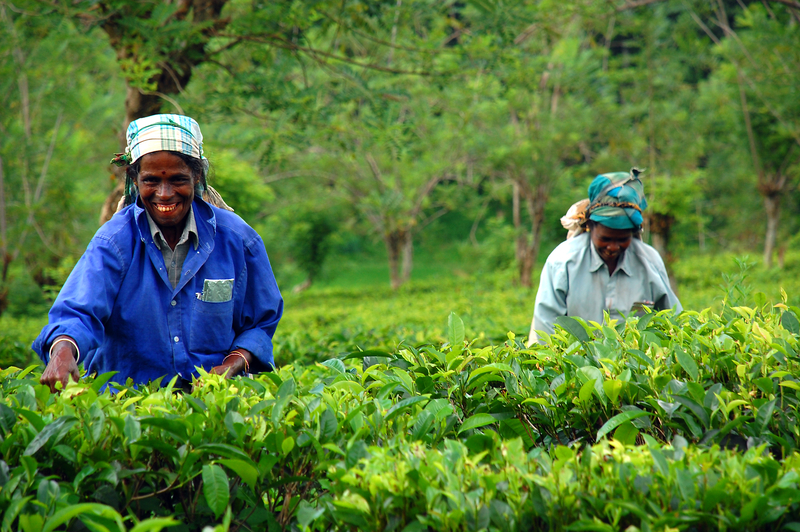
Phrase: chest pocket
(216,290)
(211,326)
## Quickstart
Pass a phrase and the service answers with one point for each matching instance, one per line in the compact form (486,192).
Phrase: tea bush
(660,422)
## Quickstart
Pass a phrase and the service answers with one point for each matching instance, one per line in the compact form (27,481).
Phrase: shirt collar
(596,262)
(189,231)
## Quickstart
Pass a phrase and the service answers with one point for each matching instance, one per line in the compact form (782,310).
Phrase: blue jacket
(120,308)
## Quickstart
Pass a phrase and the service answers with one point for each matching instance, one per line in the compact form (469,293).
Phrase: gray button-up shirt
(174,259)
(575,282)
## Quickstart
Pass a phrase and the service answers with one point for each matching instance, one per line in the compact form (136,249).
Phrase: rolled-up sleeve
(551,299)
(85,301)
(262,308)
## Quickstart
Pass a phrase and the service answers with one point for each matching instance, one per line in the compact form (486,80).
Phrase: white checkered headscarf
(163,133)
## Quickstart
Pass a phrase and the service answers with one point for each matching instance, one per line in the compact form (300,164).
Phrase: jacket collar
(204,215)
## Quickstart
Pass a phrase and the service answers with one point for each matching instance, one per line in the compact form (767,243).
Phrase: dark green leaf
(216,488)
(48,432)
(574,327)
(687,362)
(697,409)
(618,420)
(478,420)
(790,322)
(403,405)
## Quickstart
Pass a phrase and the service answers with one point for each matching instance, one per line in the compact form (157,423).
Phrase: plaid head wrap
(617,200)
(165,132)
(161,133)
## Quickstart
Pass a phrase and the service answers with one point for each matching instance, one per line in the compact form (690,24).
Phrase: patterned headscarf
(161,133)
(617,200)
(165,132)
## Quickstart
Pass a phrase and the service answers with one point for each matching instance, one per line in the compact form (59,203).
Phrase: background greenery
(405,159)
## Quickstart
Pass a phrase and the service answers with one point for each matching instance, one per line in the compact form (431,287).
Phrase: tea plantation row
(662,422)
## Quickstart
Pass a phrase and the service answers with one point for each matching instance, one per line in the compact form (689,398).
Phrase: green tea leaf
(698,410)
(102,379)
(132,430)
(12,511)
(247,471)
(282,398)
(612,389)
(764,415)
(618,420)
(368,353)
(66,514)
(306,513)
(49,431)
(478,420)
(586,390)
(335,364)
(8,418)
(626,433)
(790,322)
(455,332)
(660,462)
(215,488)
(404,405)
(327,425)
(573,326)
(687,363)
(154,524)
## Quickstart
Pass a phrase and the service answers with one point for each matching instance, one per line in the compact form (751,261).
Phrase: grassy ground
(352,306)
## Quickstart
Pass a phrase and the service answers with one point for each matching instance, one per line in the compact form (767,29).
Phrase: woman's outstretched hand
(235,363)
(62,365)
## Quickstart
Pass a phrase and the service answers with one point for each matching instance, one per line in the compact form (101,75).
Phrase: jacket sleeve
(86,300)
(667,298)
(551,299)
(262,309)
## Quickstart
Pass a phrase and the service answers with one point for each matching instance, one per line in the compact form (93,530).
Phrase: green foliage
(238,183)
(685,421)
(311,242)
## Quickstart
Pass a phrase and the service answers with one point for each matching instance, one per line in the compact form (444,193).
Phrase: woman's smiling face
(166,187)
(610,243)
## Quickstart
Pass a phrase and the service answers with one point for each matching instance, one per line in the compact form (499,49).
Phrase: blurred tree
(310,237)
(762,63)
(56,94)
(390,159)
(540,107)
(160,44)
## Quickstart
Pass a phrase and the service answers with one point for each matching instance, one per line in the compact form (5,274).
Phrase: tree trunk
(772,203)
(5,256)
(660,229)
(528,242)
(408,257)
(394,242)
(521,243)
(170,79)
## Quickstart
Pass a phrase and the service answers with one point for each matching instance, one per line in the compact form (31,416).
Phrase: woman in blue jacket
(171,283)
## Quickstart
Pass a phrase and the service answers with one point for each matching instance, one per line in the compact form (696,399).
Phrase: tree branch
(288,45)
(634,5)
(376,172)
(790,3)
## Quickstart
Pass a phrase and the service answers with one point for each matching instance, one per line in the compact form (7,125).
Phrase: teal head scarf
(617,200)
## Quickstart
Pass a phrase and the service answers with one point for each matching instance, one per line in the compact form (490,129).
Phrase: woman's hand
(235,363)
(62,364)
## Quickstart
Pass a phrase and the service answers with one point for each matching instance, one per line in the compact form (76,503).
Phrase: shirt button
(173,303)
(176,339)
